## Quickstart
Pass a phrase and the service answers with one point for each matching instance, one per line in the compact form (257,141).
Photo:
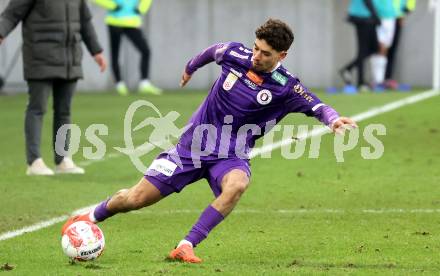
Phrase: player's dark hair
(276,33)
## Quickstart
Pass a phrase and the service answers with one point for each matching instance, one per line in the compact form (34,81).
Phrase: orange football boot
(184,253)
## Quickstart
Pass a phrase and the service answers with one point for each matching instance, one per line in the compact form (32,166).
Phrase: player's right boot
(71,220)
(184,253)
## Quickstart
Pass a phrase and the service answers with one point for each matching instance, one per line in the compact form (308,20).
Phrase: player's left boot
(146,87)
(184,253)
(68,167)
(71,220)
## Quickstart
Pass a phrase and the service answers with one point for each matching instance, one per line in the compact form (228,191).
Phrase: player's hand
(185,79)
(343,123)
(100,60)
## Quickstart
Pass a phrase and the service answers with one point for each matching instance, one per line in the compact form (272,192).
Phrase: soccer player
(252,89)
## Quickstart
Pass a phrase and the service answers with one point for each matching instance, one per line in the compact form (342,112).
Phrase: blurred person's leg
(140,42)
(385,35)
(345,71)
(62,100)
(391,55)
(39,92)
(115,45)
(63,91)
(363,37)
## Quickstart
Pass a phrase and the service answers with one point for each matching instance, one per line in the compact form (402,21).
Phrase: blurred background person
(403,8)
(124,18)
(364,17)
(52,57)
(385,35)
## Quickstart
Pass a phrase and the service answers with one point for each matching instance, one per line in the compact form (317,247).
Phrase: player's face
(265,58)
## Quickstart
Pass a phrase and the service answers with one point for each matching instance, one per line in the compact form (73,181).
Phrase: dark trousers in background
(39,92)
(136,36)
(367,44)
(392,51)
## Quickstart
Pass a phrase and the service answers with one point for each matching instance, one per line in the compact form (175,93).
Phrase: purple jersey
(243,105)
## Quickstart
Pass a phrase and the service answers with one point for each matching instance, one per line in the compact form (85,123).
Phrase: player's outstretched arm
(210,54)
(341,124)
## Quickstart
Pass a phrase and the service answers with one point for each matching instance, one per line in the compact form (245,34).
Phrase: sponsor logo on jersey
(250,84)
(163,166)
(229,81)
(235,72)
(254,77)
(237,55)
(299,89)
(279,78)
(264,97)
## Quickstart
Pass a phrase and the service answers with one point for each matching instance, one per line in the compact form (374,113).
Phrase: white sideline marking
(42,224)
(359,117)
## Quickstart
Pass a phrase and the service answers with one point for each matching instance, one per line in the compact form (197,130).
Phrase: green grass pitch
(310,216)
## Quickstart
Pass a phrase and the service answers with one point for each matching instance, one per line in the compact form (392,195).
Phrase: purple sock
(207,221)
(101,213)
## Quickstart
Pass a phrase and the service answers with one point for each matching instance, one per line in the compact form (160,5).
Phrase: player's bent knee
(235,188)
(240,187)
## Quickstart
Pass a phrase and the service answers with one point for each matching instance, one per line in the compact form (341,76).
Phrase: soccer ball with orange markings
(83,241)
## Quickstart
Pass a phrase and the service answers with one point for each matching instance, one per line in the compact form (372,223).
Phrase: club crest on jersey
(229,81)
(264,97)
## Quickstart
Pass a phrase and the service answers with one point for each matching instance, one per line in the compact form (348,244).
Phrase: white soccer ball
(83,241)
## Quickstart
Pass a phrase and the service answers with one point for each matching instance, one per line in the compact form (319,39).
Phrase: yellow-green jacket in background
(404,6)
(125,13)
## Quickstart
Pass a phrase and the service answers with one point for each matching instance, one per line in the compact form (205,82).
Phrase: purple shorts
(168,177)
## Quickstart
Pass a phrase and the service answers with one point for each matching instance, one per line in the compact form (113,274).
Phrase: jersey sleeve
(236,55)
(212,53)
(301,100)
